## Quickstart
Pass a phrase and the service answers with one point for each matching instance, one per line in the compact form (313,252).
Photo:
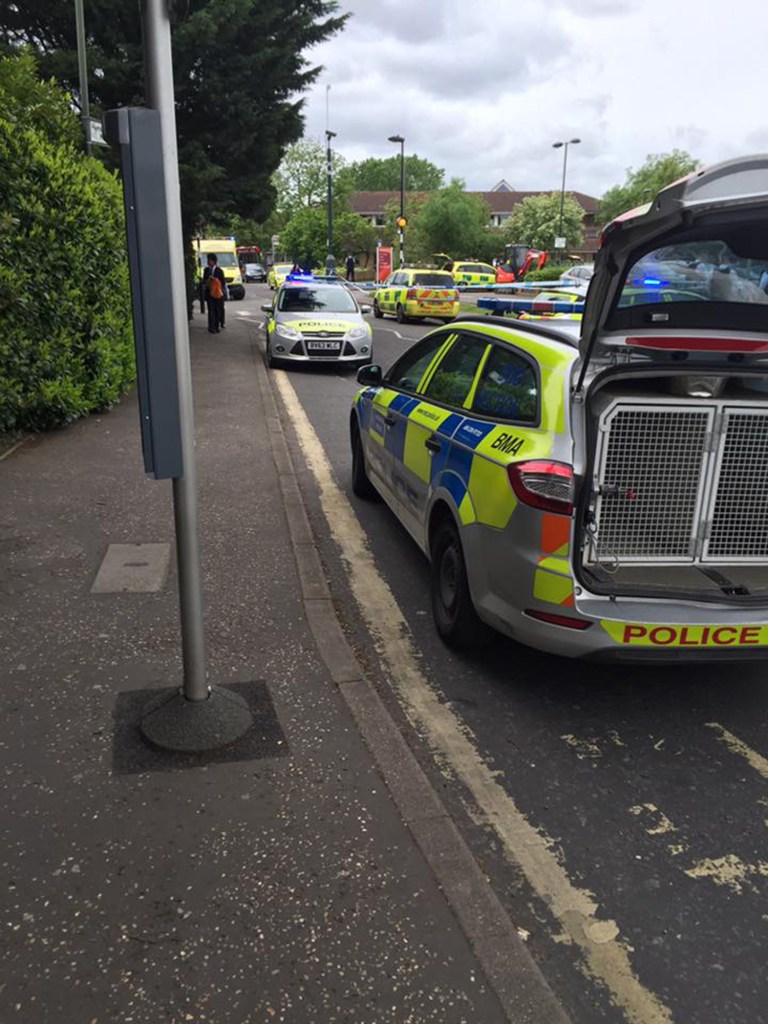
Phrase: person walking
(350,265)
(214,284)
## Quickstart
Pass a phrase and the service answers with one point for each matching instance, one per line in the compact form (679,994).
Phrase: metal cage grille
(739,510)
(650,482)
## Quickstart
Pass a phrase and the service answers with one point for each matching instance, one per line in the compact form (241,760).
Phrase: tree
(238,69)
(376,175)
(302,177)
(536,222)
(449,221)
(643,184)
(306,235)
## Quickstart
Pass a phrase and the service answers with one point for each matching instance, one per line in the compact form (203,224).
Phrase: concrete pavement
(307,873)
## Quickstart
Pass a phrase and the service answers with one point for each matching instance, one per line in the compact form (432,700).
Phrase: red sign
(383,262)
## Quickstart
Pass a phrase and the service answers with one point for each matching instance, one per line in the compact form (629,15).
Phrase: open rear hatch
(674,386)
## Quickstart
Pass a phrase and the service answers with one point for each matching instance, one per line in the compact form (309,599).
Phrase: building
(502,199)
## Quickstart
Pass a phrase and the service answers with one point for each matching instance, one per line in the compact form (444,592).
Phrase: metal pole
(82,68)
(402,201)
(562,191)
(159,71)
(329,169)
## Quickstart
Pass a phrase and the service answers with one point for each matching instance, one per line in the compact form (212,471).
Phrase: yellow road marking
(606,956)
(737,746)
(730,871)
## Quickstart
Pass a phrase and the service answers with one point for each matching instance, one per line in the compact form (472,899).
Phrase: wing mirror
(365,310)
(370,375)
(268,308)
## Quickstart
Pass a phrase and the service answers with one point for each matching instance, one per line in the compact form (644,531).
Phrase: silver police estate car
(316,320)
(598,487)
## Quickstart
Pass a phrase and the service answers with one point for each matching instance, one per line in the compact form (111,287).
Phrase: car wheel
(455,617)
(361,485)
(272,363)
(448,319)
(376,311)
(400,314)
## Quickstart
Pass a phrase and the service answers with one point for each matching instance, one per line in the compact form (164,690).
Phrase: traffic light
(401,222)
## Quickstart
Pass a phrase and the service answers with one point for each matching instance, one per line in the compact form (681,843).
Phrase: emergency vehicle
(598,488)
(316,319)
(416,292)
(467,273)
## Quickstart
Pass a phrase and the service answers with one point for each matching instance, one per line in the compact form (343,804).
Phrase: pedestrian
(350,265)
(213,287)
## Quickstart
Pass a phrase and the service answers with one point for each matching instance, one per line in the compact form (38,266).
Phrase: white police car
(315,319)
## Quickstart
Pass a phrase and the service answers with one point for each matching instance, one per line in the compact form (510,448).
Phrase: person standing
(350,265)
(214,284)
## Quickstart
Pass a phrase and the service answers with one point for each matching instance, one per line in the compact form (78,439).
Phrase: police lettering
(693,636)
(508,444)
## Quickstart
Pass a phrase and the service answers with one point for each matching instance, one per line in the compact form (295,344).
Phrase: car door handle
(390,421)
(432,444)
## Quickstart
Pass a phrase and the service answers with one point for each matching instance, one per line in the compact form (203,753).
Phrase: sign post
(383,262)
(199,717)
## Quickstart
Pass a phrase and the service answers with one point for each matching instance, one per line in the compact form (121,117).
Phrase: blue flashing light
(651,282)
(306,278)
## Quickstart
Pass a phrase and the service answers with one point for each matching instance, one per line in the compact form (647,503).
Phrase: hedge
(66,341)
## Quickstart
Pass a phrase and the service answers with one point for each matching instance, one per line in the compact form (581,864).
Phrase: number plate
(315,346)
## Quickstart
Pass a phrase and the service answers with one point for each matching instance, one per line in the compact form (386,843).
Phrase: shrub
(550,272)
(66,342)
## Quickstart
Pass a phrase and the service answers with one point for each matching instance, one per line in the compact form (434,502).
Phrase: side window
(507,389)
(452,380)
(407,372)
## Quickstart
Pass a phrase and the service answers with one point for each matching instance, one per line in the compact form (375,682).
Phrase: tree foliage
(238,69)
(642,185)
(302,178)
(377,175)
(65,319)
(450,221)
(305,236)
(537,222)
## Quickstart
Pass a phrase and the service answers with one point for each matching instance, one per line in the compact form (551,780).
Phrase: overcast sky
(483,89)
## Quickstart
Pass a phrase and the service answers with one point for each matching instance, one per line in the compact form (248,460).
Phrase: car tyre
(455,617)
(400,314)
(376,311)
(361,484)
(272,363)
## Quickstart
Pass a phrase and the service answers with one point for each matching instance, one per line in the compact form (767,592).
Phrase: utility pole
(329,170)
(401,220)
(82,68)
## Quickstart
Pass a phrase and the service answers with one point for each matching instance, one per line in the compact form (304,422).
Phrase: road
(621,813)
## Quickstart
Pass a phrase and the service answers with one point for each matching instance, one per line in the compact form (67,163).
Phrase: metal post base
(194,726)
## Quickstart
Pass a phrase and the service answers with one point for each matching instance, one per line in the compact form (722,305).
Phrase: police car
(315,319)
(413,293)
(598,488)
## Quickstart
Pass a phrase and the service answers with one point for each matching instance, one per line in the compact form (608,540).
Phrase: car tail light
(543,484)
(411,295)
(566,621)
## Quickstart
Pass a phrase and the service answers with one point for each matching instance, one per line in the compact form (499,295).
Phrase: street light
(401,221)
(558,145)
(85,110)
(329,168)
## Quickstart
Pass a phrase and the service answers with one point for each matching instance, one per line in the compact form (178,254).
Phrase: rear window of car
(719,280)
(433,280)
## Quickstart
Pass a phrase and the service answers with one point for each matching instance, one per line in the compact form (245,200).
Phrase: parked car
(598,488)
(255,272)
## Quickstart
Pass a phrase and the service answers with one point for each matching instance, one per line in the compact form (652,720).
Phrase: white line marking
(737,746)
(606,956)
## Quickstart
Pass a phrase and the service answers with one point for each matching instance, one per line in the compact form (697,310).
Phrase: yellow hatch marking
(606,956)
(730,871)
(662,824)
(737,746)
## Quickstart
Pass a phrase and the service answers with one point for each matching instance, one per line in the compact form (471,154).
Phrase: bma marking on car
(508,444)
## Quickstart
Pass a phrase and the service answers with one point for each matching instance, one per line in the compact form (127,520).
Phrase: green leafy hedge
(66,336)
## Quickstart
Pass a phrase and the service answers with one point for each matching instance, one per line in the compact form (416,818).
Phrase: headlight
(288,332)
(356,333)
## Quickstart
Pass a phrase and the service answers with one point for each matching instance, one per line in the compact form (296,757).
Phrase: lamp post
(329,168)
(401,221)
(564,145)
(85,110)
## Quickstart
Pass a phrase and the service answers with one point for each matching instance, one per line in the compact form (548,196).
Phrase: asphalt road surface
(621,813)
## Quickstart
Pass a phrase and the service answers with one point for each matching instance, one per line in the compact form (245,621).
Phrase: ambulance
(226,256)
